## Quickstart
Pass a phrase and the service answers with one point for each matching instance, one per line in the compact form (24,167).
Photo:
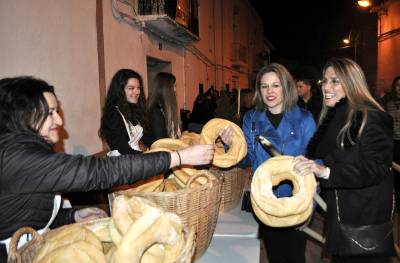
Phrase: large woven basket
(234,180)
(27,252)
(198,207)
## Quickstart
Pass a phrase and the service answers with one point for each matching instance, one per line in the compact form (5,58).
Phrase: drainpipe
(222,43)
(215,48)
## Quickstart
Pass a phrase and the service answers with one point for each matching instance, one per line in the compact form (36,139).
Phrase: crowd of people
(337,132)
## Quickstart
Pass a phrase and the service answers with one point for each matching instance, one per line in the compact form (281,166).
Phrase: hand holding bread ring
(231,134)
(304,166)
(226,135)
(198,154)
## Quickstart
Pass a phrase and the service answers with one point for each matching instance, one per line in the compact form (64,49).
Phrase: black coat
(31,173)
(361,173)
(157,122)
(116,136)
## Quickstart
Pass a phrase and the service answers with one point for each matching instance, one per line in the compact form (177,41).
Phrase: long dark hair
(116,97)
(163,94)
(23,107)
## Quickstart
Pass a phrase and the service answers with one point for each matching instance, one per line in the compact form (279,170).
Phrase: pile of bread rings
(285,211)
(138,231)
(186,176)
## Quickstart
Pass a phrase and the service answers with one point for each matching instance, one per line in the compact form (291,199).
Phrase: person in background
(202,111)
(162,108)
(391,103)
(124,124)
(309,98)
(33,175)
(289,128)
(354,142)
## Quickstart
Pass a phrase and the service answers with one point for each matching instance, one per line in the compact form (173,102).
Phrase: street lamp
(364,3)
(352,41)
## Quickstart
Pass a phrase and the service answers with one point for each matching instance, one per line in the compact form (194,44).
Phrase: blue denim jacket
(290,138)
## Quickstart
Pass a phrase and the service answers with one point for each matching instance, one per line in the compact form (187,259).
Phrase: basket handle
(197,175)
(13,255)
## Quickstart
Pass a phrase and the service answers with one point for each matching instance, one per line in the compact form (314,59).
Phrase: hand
(304,166)
(198,154)
(89,213)
(226,135)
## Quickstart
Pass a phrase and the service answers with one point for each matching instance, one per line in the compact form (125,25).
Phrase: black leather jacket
(31,173)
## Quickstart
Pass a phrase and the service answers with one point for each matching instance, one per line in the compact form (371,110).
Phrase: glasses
(332,81)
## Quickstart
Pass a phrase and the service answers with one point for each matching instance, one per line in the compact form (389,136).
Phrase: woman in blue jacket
(289,128)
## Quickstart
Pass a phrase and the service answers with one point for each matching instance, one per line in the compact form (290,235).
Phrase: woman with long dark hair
(124,124)
(162,107)
(32,174)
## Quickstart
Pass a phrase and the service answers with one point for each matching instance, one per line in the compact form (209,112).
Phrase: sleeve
(366,163)
(40,170)
(309,128)
(64,217)
(115,133)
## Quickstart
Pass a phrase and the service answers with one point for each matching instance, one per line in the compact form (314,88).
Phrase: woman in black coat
(354,143)
(32,175)
(124,124)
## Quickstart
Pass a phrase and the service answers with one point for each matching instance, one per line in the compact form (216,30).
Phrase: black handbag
(373,240)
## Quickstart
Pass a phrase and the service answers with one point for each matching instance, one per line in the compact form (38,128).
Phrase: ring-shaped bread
(143,225)
(237,150)
(285,211)
(167,143)
(190,138)
(170,145)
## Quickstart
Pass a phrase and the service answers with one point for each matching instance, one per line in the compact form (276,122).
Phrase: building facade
(388,65)
(77,46)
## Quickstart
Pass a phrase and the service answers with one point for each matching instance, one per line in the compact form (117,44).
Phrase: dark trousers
(3,254)
(284,245)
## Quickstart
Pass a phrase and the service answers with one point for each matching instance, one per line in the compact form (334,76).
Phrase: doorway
(154,66)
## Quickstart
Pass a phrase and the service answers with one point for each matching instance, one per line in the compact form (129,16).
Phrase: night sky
(309,32)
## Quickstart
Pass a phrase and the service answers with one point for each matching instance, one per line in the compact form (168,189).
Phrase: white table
(235,239)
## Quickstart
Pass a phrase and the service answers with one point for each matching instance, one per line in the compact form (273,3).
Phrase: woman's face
(49,129)
(272,92)
(132,90)
(332,88)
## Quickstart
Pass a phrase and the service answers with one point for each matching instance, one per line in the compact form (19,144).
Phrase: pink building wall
(78,45)
(389,44)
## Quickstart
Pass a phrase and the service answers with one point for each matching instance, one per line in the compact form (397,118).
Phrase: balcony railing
(175,20)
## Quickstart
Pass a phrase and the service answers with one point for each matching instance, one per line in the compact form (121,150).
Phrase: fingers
(302,165)
(199,154)
(226,134)
(89,213)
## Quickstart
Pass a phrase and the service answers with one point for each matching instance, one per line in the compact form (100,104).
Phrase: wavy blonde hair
(355,87)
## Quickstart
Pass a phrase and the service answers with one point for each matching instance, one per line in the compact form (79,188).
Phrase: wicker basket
(234,180)
(27,253)
(198,207)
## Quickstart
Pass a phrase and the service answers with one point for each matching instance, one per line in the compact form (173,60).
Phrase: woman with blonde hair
(289,128)
(162,107)
(354,143)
